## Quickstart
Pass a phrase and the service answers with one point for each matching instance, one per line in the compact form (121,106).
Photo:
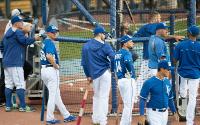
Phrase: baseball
(71,84)
(81,89)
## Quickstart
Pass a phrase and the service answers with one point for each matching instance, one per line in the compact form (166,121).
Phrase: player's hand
(142,120)
(56,66)
(89,79)
(178,38)
(176,116)
(37,38)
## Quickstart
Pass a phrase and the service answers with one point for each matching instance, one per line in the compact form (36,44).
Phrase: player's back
(189,59)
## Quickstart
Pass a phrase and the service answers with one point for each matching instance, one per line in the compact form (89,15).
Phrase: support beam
(7,4)
(85,13)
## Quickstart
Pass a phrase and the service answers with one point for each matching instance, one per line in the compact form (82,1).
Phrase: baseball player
(158,90)
(126,78)
(96,60)
(187,53)
(14,44)
(157,48)
(50,77)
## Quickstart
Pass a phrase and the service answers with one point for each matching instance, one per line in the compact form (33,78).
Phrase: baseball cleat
(70,118)
(8,109)
(26,109)
(52,122)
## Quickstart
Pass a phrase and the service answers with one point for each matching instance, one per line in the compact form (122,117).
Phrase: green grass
(73,50)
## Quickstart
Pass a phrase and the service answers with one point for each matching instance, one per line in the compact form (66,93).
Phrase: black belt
(47,66)
(159,110)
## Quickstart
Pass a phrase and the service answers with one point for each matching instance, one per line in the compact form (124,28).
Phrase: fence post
(113,25)
(192,13)
(171,44)
(7,2)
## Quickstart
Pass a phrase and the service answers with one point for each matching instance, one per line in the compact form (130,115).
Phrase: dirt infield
(33,118)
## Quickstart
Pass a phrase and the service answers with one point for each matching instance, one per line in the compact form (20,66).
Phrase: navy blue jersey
(124,64)
(96,58)
(48,47)
(160,92)
(187,53)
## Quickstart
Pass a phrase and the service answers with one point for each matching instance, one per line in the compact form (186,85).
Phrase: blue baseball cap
(52,29)
(125,38)
(161,26)
(15,19)
(163,64)
(99,29)
(194,30)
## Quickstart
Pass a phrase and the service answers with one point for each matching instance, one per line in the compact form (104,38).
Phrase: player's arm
(84,64)
(176,37)
(143,97)
(52,61)
(21,38)
(129,65)
(159,50)
(176,54)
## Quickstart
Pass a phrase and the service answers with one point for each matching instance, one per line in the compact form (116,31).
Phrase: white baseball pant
(50,77)
(127,88)
(156,117)
(192,85)
(14,76)
(101,88)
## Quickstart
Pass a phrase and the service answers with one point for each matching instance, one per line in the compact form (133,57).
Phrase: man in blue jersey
(126,78)
(157,48)
(96,61)
(158,91)
(187,53)
(50,77)
(14,45)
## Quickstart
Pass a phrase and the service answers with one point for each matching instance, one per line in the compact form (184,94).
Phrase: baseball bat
(83,102)
(130,13)
(43,104)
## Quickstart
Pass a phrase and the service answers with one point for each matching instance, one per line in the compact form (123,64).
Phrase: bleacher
(24,5)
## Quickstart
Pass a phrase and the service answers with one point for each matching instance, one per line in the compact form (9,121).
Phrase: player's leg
(50,80)
(183,87)
(154,117)
(8,88)
(59,103)
(127,91)
(104,91)
(193,85)
(96,102)
(18,78)
(165,117)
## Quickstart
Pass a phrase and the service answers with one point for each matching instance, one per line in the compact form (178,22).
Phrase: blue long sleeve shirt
(157,49)
(14,46)
(160,93)
(96,58)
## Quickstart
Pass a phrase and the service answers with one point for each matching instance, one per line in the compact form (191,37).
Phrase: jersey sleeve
(22,39)
(171,102)
(145,90)
(109,51)
(84,62)
(129,64)
(159,49)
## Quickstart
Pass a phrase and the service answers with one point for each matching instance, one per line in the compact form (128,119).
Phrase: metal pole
(113,20)
(192,13)
(7,2)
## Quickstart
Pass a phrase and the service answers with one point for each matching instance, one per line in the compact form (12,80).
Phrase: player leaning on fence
(14,44)
(187,53)
(50,77)
(96,61)
(126,78)
(157,48)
